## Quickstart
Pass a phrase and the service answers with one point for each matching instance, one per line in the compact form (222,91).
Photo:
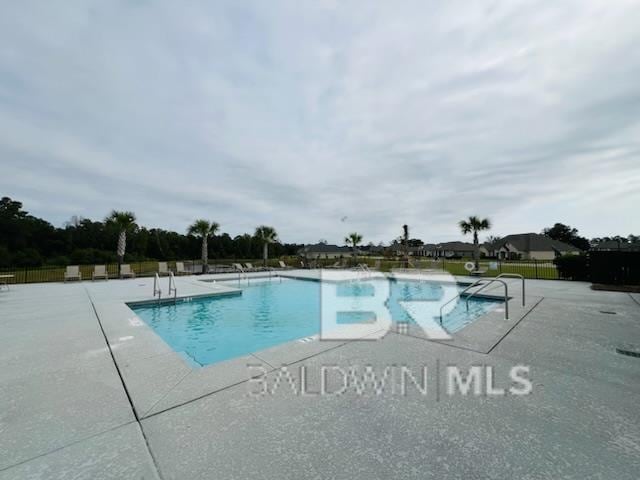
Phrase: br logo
(356,304)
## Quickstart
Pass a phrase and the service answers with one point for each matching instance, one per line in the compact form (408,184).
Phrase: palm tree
(493,239)
(125,222)
(265,236)
(475,225)
(405,240)
(353,239)
(204,229)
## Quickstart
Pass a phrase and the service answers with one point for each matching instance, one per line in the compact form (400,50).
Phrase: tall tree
(125,222)
(491,239)
(405,242)
(353,239)
(266,235)
(567,234)
(474,225)
(204,229)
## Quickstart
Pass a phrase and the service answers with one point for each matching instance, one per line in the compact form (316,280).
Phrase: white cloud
(297,115)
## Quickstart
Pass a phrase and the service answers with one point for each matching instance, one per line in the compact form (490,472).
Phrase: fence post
(536,264)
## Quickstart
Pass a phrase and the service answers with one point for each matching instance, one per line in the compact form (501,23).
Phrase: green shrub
(5,257)
(572,267)
(29,257)
(89,256)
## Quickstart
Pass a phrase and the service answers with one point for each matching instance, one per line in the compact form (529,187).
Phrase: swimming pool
(268,313)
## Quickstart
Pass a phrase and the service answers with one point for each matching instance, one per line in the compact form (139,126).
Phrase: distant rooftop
(535,242)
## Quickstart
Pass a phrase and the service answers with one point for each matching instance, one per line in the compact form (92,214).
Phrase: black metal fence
(55,273)
(535,269)
(605,267)
(615,267)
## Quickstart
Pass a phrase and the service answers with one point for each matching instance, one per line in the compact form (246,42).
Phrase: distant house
(322,250)
(372,249)
(616,246)
(524,246)
(449,250)
(528,246)
(438,250)
(397,249)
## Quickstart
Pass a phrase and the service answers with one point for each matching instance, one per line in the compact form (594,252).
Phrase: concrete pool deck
(71,407)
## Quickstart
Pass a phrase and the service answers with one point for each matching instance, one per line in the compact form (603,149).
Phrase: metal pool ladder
(362,273)
(156,287)
(172,281)
(485,281)
(514,275)
(506,295)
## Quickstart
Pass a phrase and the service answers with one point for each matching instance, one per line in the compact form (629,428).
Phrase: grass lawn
(541,270)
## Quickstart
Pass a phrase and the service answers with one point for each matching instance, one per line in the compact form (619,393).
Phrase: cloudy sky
(322,118)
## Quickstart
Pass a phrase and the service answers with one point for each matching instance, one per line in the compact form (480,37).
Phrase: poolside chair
(249,267)
(72,273)
(99,271)
(219,268)
(126,272)
(238,267)
(477,273)
(180,269)
(163,268)
(283,265)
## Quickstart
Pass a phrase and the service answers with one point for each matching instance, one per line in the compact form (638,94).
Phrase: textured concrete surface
(58,384)
(568,427)
(116,454)
(65,413)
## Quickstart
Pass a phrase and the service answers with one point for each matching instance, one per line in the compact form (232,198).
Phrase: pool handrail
(477,282)
(506,295)
(486,282)
(172,281)
(156,286)
(515,275)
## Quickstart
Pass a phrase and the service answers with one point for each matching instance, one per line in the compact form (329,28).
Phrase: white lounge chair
(72,273)
(100,271)
(283,265)
(180,269)
(163,268)
(126,272)
(478,273)
(238,267)
(249,267)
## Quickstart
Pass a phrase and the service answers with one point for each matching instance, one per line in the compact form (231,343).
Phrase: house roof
(449,246)
(534,242)
(324,248)
(455,246)
(616,245)
(371,248)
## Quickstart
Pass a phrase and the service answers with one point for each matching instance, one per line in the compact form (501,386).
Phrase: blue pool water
(212,329)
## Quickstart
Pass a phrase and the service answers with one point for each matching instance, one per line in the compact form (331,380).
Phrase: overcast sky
(321,118)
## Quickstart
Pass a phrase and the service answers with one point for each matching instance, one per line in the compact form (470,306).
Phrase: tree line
(29,241)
